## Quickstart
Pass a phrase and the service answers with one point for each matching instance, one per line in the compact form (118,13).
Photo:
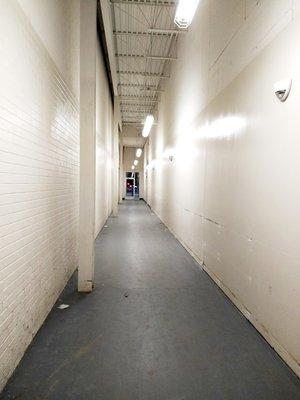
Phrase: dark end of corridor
(155,328)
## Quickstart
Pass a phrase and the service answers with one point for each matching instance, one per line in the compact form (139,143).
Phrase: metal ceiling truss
(150,32)
(145,39)
(149,74)
(149,57)
(137,85)
(136,106)
(143,99)
(157,3)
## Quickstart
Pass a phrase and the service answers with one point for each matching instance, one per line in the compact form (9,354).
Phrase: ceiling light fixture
(138,153)
(148,125)
(185,12)
(132,167)
(135,162)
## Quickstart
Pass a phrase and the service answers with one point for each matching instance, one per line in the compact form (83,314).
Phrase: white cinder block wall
(39,164)
(38,169)
(232,193)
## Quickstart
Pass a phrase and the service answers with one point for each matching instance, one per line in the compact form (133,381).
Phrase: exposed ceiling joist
(132,123)
(129,106)
(141,98)
(167,58)
(148,57)
(150,74)
(147,89)
(138,104)
(137,85)
(158,3)
(142,113)
(168,32)
(130,110)
(145,41)
(151,32)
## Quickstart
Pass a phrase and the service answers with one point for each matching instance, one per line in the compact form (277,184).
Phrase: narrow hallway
(155,328)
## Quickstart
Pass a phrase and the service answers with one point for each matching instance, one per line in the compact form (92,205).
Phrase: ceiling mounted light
(138,153)
(148,125)
(185,13)
(132,167)
(135,162)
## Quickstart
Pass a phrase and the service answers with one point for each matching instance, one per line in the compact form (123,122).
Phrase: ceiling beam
(136,105)
(132,123)
(146,89)
(136,112)
(164,58)
(137,85)
(134,97)
(150,74)
(151,32)
(165,32)
(120,55)
(145,104)
(148,57)
(158,3)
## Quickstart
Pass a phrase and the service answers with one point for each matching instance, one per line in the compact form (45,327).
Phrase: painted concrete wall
(104,145)
(232,192)
(132,136)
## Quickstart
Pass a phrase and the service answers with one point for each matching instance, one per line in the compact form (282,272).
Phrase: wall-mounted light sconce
(282,89)
(170,154)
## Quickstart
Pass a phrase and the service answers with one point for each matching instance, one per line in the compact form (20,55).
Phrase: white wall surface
(104,145)
(39,163)
(39,150)
(232,192)
(132,136)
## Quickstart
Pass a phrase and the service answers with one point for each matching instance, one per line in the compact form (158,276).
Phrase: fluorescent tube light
(138,153)
(185,13)
(135,162)
(148,125)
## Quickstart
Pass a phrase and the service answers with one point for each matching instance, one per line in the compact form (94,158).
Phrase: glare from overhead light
(138,153)
(169,152)
(148,125)
(135,162)
(185,13)
(223,127)
(132,167)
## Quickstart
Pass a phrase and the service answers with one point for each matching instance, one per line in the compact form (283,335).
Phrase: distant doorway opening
(132,189)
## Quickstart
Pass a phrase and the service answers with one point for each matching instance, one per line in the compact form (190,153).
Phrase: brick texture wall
(39,166)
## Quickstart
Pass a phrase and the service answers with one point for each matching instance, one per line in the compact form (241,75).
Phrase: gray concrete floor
(155,328)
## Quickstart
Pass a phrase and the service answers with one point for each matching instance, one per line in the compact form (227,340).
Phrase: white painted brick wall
(39,149)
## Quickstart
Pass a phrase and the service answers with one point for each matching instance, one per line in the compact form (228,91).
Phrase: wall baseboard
(280,350)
